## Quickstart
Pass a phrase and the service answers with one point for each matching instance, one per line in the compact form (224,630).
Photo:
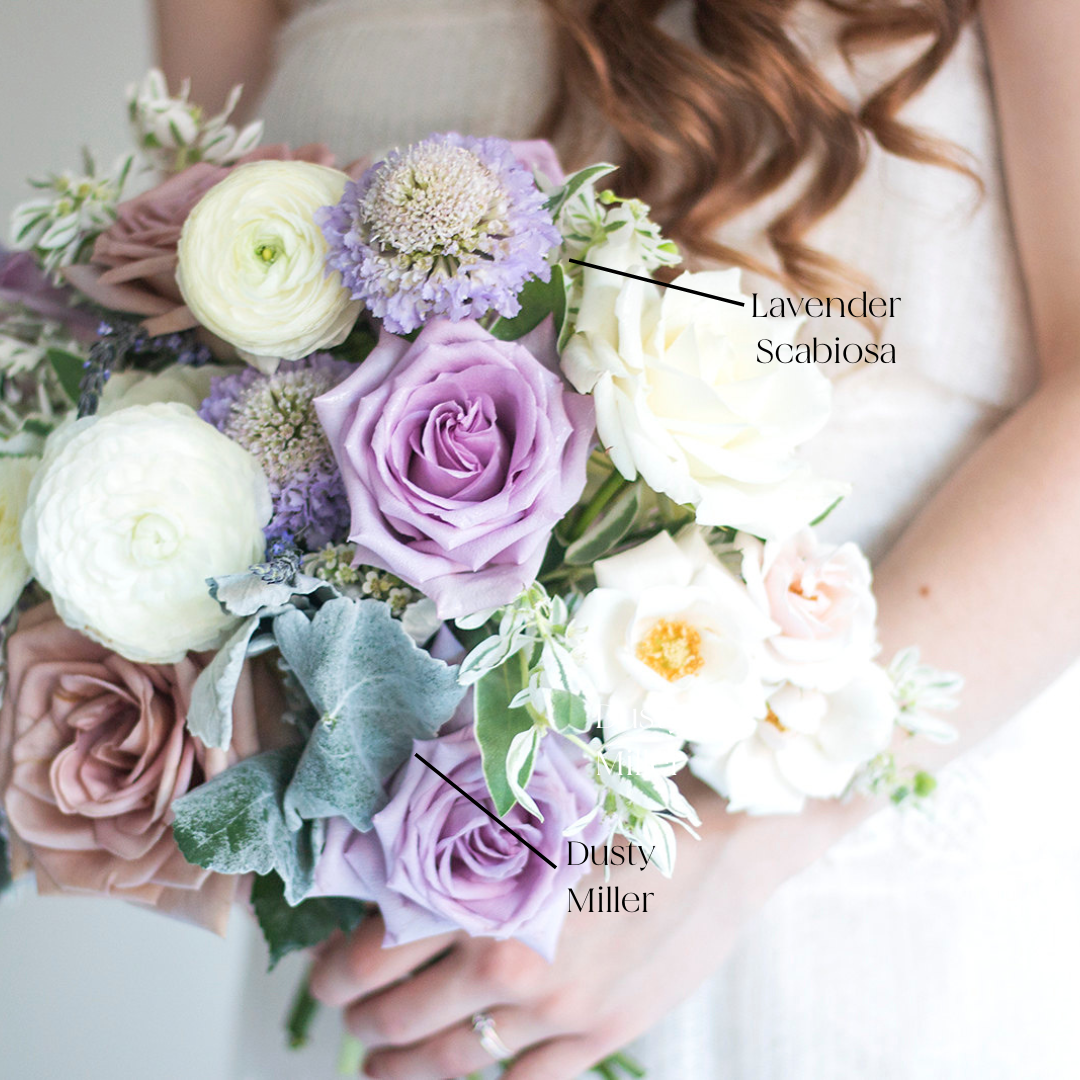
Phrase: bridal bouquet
(349,515)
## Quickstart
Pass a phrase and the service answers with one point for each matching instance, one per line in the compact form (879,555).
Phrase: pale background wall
(93,989)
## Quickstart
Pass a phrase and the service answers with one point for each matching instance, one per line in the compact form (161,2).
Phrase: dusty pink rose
(93,750)
(133,265)
(821,599)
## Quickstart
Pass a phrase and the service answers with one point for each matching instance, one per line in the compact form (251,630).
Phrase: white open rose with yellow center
(252,261)
(129,515)
(682,401)
(672,640)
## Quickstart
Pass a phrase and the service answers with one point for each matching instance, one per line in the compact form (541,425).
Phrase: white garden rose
(810,745)
(16,474)
(129,515)
(820,597)
(252,261)
(681,399)
(671,639)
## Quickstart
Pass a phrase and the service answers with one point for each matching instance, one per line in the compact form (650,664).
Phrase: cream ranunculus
(681,399)
(252,261)
(820,597)
(672,640)
(16,474)
(810,745)
(129,515)
(181,383)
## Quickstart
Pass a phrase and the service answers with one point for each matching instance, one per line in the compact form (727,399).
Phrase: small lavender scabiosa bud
(452,225)
(273,418)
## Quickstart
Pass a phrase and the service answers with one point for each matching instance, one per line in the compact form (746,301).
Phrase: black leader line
(662,284)
(499,821)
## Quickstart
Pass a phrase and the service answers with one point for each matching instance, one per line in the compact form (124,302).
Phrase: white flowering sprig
(922,690)
(60,225)
(602,227)
(636,796)
(172,132)
(555,689)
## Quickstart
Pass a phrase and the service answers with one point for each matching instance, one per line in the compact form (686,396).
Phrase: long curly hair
(707,128)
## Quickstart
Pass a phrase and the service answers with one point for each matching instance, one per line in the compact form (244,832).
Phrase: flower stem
(350,1056)
(595,506)
(301,1015)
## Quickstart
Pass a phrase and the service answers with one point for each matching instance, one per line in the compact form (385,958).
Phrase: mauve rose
(539,154)
(23,282)
(133,265)
(93,750)
(822,599)
(433,862)
(459,453)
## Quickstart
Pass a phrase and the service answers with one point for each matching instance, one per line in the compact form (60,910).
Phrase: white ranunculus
(810,745)
(252,261)
(820,597)
(16,473)
(669,638)
(681,399)
(129,515)
(181,383)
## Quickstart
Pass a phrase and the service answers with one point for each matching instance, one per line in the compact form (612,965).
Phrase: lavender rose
(434,862)
(459,453)
(93,750)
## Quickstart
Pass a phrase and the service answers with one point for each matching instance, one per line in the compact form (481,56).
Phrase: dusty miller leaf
(210,712)
(235,824)
(375,690)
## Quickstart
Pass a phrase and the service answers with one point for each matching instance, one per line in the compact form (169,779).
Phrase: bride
(844,943)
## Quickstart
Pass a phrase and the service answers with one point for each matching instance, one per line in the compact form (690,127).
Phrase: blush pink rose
(820,597)
(133,265)
(93,750)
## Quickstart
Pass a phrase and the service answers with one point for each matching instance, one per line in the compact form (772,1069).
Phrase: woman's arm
(217,44)
(984,580)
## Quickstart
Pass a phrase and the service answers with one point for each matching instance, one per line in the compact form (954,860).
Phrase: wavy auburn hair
(705,129)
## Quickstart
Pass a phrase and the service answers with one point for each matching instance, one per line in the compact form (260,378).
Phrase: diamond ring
(484,1027)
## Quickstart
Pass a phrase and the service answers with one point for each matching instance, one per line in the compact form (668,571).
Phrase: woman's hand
(613,976)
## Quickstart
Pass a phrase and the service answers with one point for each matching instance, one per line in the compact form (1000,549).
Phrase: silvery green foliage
(637,797)
(59,225)
(375,692)
(236,824)
(172,133)
(260,591)
(921,691)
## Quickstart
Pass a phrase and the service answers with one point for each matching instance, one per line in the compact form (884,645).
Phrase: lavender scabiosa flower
(452,225)
(272,417)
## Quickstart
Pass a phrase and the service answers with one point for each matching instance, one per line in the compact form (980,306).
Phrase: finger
(358,965)
(444,994)
(457,1051)
(559,1059)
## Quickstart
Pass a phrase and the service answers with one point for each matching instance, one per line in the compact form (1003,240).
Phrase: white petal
(807,768)
(750,779)
(658,561)
(603,621)
(861,717)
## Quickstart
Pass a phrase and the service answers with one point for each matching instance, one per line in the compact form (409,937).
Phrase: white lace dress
(931,947)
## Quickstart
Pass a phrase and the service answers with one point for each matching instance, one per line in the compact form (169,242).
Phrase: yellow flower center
(772,718)
(268,252)
(672,648)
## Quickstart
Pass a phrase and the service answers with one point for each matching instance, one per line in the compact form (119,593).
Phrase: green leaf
(5,867)
(496,725)
(69,370)
(235,824)
(538,299)
(375,690)
(608,530)
(287,928)
(568,711)
(574,183)
(827,511)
